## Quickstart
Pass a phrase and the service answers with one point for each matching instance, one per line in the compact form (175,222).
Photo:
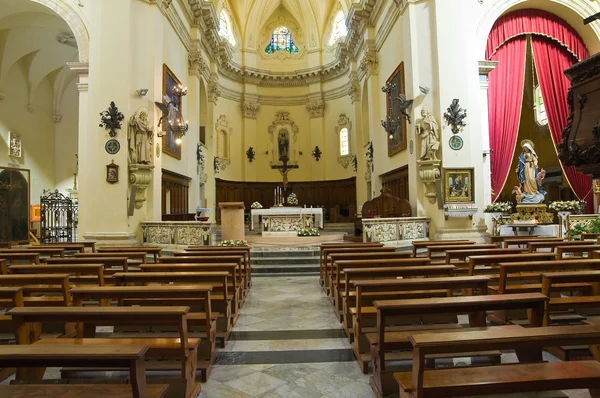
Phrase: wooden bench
(416,245)
(37,284)
(197,296)
(79,246)
(552,245)
(78,391)
(32,360)
(575,250)
(553,280)
(133,257)
(507,378)
(437,251)
(331,256)
(48,251)
(155,251)
(6,245)
(233,251)
(182,348)
(363,312)
(457,257)
(81,273)
(475,306)
(349,245)
(111,264)
(222,318)
(345,262)
(21,257)
(525,240)
(490,262)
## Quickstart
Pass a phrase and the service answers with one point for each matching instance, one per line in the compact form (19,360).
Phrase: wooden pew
(222,320)
(416,245)
(67,247)
(331,255)
(32,361)
(182,348)
(40,284)
(197,296)
(155,251)
(575,250)
(10,297)
(87,244)
(552,245)
(346,262)
(233,251)
(507,378)
(81,273)
(553,280)
(111,264)
(476,306)
(50,251)
(136,256)
(491,261)
(349,245)
(457,257)
(364,314)
(525,240)
(441,249)
(78,391)
(21,258)
(499,239)
(6,245)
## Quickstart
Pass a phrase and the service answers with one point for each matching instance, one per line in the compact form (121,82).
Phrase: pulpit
(232,220)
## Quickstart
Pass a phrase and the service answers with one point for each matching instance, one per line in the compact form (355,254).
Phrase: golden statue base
(531,214)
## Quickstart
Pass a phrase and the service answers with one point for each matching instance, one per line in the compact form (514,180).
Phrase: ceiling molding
(358,20)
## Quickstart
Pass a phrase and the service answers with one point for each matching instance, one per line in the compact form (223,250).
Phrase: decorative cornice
(369,64)
(196,64)
(81,68)
(220,52)
(353,89)
(250,106)
(316,107)
(213,89)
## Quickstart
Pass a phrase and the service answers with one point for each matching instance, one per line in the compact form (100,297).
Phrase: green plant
(592,228)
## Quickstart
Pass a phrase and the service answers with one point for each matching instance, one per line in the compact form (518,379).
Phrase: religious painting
(283,141)
(112,173)
(458,185)
(397,141)
(169,145)
(14,205)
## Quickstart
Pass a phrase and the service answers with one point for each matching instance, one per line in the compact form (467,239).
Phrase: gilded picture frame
(112,173)
(458,185)
(169,146)
(398,141)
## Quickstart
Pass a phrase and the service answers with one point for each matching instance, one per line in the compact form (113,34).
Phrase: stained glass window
(225,27)
(344,144)
(281,40)
(339,28)
(538,104)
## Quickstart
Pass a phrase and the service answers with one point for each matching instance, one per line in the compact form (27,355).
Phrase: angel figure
(169,111)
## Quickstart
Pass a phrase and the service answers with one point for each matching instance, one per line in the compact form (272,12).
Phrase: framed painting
(397,142)
(458,185)
(169,146)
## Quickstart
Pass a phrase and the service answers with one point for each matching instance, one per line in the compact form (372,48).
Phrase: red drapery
(505,97)
(557,47)
(550,61)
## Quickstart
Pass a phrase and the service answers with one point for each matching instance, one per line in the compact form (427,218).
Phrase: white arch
(583,8)
(77,21)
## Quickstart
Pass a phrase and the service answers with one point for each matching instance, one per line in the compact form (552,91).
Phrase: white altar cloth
(287,211)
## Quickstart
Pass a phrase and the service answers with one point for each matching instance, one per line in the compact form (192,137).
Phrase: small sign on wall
(14,147)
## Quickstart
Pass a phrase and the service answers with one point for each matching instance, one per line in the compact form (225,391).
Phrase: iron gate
(58,218)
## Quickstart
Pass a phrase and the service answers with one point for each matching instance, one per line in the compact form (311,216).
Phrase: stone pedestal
(429,171)
(140,175)
(232,221)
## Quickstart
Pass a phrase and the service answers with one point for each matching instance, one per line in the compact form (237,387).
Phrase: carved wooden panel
(177,187)
(397,182)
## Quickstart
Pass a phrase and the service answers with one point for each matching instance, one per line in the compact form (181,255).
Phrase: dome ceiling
(313,15)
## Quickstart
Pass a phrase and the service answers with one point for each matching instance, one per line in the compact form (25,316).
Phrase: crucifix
(284,169)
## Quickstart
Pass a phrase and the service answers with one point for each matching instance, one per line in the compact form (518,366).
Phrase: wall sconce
(141,92)
(177,125)
(250,154)
(424,90)
(316,153)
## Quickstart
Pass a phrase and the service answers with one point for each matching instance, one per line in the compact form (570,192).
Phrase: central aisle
(287,343)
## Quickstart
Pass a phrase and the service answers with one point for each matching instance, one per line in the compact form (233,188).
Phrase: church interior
(299,198)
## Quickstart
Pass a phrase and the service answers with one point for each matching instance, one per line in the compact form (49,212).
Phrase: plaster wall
(66,140)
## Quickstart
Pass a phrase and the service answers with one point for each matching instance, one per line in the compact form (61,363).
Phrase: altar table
(285,221)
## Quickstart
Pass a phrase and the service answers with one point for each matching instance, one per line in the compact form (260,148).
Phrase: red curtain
(505,97)
(538,22)
(551,60)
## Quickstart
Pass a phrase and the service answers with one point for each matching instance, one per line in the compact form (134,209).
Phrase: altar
(285,221)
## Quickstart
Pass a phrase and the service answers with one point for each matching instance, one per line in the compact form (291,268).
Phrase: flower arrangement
(233,243)
(566,205)
(498,207)
(308,232)
(292,199)
(256,205)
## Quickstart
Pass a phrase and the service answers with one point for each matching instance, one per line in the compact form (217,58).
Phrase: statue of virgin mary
(530,179)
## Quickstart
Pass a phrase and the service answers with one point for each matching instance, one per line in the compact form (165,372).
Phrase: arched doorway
(532,48)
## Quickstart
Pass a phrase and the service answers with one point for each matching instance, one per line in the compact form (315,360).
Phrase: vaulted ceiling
(312,15)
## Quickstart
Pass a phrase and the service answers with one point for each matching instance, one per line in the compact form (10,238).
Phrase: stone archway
(76,20)
(582,8)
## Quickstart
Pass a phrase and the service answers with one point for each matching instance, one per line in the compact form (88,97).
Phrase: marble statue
(139,136)
(428,130)
(528,175)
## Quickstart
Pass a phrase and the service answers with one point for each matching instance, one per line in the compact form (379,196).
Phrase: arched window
(225,27)
(339,28)
(538,105)
(281,40)
(344,143)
